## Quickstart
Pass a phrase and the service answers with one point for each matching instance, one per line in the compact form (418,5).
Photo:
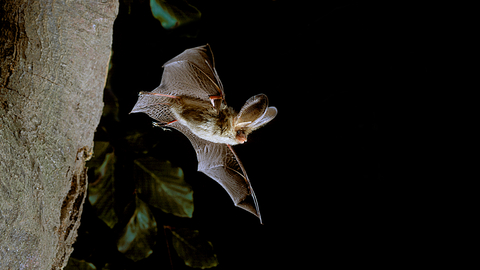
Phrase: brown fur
(204,120)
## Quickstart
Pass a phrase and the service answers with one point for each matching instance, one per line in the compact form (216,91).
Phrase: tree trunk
(54,57)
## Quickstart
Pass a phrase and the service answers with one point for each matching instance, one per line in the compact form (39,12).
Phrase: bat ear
(255,113)
(268,116)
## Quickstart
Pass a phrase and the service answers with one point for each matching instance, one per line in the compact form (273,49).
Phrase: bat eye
(241,136)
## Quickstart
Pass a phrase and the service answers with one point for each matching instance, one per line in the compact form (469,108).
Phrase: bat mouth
(241,136)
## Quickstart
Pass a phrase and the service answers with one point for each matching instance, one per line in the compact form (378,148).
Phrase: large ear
(253,109)
(255,113)
(268,116)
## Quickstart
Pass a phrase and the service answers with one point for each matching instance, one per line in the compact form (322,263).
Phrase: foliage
(138,236)
(193,249)
(101,188)
(163,186)
(174,13)
(74,264)
(158,185)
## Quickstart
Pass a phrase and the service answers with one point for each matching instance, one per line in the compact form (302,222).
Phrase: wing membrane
(191,71)
(219,162)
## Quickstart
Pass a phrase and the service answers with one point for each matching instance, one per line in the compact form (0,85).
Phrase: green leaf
(101,187)
(74,264)
(162,186)
(138,236)
(193,249)
(174,13)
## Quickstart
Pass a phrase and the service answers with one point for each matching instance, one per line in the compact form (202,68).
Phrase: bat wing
(191,73)
(221,163)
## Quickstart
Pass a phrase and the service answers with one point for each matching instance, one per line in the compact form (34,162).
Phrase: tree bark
(54,59)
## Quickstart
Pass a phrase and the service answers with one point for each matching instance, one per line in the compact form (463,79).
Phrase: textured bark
(54,57)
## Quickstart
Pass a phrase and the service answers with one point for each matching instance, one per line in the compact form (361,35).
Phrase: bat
(191,99)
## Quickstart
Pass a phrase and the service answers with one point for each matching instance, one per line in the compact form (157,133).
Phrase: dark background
(326,170)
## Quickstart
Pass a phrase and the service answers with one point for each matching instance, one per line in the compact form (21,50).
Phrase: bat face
(191,99)
(253,115)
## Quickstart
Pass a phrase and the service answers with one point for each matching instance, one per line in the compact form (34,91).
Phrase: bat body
(205,121)
(191,99)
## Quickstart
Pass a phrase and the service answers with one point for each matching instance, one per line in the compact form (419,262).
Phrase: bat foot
(163,125)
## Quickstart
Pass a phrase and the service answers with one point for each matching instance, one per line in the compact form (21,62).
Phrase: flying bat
(191,99)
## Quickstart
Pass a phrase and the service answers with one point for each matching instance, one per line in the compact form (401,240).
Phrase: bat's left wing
(192,74)
(221,163)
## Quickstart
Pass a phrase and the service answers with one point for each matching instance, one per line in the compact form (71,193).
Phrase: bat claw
(162,125)
(157,124)
(216,101)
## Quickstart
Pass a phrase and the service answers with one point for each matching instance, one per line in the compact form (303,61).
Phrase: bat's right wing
(221,163)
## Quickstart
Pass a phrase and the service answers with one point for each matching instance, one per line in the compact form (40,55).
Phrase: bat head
(253,115)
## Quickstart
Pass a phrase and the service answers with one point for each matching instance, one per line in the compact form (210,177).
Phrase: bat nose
(241,136)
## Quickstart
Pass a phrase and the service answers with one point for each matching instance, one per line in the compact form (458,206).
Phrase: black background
(325,171)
